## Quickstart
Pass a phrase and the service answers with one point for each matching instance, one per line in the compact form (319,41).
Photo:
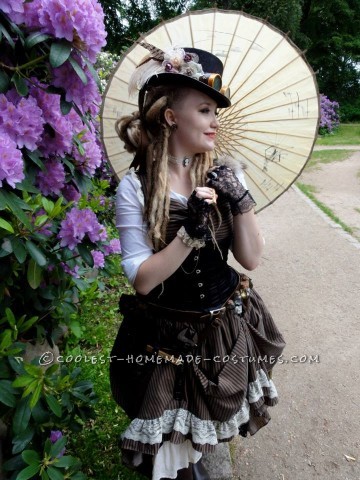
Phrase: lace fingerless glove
(226,184)
(195,231)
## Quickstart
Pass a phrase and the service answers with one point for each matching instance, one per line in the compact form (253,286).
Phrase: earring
(173,127)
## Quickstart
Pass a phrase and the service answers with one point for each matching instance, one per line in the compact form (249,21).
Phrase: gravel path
(309,278)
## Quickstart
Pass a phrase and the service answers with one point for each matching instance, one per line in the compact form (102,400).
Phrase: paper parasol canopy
(273,121)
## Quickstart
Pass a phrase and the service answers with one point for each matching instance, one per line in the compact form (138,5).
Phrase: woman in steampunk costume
(193,358)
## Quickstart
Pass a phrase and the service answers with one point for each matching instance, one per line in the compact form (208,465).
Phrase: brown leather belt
(184,315)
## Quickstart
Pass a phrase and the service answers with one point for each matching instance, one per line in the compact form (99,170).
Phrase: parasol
(272,124)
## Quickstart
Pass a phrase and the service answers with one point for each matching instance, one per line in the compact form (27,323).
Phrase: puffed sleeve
(133,232)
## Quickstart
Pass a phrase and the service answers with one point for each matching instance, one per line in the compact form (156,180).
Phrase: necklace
(184,161)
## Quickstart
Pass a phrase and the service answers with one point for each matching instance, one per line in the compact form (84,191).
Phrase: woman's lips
(212,135)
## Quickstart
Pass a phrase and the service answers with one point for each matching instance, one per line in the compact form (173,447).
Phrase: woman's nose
(215,122)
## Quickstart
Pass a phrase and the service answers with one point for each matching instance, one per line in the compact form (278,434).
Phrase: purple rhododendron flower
(99,259)
(10,6)
(86,97)
(59,142)
(70,193)
(21,119)
(55,435)
(73,272)
(329,117)
(11,161)
(113,247)
(79,223)
(92,157)
(52,179)
(79,21)
(44,229)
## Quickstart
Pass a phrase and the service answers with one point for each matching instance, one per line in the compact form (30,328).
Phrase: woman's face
(195,117)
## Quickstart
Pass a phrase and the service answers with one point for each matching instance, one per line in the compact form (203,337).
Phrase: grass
(346,134)
(328,156)
(97,444)
(309,191)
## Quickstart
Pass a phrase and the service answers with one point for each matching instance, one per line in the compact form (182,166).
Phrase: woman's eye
(205,110)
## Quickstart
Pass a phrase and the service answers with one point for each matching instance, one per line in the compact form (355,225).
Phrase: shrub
(55,229)
(329,116)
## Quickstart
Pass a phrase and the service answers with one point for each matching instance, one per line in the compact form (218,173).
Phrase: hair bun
(130,131)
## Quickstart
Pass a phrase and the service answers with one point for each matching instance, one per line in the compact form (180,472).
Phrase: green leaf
(65,106)
(78,476)
(4,81)
(17,206)
(5,339)
(15,463)
(66,461)
(28,472)
(27,186)
(20,441)
(79,71)
(30,456)
(35,38)
(44,475)
(20,84)
(48,205)
(18,249)
(54,405)
(36,253)
(36,395)
(75,327)
(22,416)
(59,53)
(34,274)
(10,317)
(92,71)
(85,254)
(6,225)
(22,381)
(35,157)
(57,447)
(28,324)
(54,474)
(7,36)
(7,393)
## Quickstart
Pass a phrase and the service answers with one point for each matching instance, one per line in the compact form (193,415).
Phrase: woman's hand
(199,207)
(226,183)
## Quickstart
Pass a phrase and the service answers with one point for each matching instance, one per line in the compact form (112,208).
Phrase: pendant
(186,161)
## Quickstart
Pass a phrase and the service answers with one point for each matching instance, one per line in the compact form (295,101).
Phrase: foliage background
(329,31)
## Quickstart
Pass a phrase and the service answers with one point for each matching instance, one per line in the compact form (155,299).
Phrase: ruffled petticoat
(225,388)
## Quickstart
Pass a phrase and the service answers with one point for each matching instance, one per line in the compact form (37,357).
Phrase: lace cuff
(188,241)
(244,204)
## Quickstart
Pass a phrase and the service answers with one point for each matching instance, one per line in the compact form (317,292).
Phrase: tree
(125,21)
(333,30)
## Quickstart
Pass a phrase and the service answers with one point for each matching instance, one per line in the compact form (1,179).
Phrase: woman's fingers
(207,193)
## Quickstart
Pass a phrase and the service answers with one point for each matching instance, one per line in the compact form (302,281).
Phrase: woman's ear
(169,116)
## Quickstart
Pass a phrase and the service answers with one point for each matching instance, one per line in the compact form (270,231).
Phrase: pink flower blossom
(11,162)
(79,223)
(52,179)
(99,259)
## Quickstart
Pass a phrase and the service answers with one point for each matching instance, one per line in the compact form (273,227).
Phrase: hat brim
(184,81)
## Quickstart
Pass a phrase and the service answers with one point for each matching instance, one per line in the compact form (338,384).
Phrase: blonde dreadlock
(157,203)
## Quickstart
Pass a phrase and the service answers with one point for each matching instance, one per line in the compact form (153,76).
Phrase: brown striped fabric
(220,378)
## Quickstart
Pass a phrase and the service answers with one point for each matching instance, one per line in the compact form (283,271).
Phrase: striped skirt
(221,388)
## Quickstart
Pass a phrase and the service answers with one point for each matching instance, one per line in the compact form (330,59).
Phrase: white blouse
(135,243)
